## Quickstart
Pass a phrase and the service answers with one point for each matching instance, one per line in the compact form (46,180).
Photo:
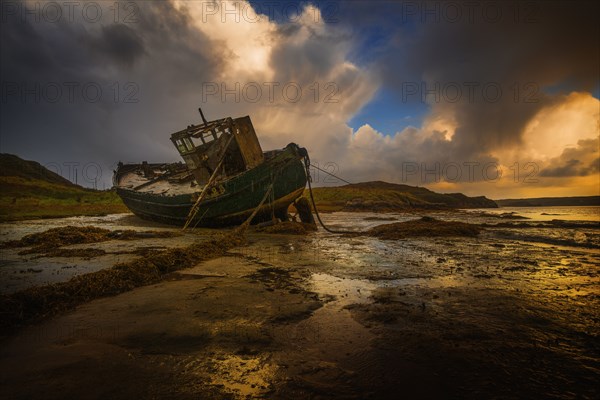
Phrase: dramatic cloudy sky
(485,98)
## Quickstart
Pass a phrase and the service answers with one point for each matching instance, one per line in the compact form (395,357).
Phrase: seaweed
(36,303)
(57,237)
(49,241)
(426,226)
(288,228)
(86,253)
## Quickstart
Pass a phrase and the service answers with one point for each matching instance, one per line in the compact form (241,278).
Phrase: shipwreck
(225,178)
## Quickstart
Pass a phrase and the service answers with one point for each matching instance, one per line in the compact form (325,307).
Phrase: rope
(270,194)
(329,173)
(312,199)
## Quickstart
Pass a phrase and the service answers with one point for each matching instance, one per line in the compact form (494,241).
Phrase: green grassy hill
(28,190)
(383,196)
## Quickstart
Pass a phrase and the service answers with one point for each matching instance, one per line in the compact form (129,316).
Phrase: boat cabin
(230,141)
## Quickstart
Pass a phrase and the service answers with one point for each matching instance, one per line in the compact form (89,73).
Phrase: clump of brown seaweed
(39,302)
(49,241)
(85,253)
(426,226)
(288,228)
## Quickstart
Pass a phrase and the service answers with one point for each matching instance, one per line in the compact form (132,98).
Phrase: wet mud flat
(486,315)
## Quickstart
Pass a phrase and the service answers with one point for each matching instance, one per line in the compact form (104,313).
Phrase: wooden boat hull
(229,202)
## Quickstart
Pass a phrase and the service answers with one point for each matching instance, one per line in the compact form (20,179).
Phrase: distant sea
(567,213)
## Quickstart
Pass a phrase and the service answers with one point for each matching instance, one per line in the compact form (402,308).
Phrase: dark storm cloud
(145,72)
(507,70)
(166,57)
(20,50)
(530,47)
(569,168)
(580,161)
(122,43)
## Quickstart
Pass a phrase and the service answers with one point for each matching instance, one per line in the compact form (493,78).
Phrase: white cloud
(561,125)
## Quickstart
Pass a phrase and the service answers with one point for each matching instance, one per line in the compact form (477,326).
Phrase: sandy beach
(325,316)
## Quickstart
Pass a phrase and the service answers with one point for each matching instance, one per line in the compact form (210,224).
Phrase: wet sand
(331,316)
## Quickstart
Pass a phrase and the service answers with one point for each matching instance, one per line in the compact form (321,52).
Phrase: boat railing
(199,137)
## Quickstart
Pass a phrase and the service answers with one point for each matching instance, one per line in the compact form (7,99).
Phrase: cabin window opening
(188,144)
(196,142)
(181,146)
(207,137)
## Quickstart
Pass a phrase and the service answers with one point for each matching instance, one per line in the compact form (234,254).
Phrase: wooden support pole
(240,229)
(196,206)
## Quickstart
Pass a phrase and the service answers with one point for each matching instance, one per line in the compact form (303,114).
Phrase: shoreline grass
(26,199)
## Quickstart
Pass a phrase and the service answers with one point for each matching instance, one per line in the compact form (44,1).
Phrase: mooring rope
(312,198)
(329,173)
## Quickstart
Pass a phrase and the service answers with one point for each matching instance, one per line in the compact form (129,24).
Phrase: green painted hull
(232,201)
